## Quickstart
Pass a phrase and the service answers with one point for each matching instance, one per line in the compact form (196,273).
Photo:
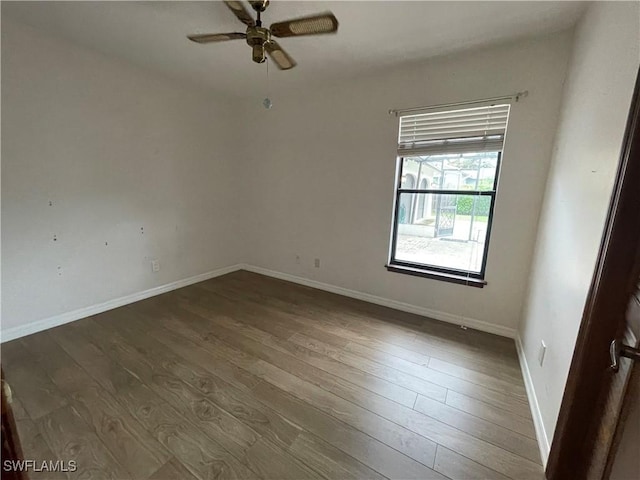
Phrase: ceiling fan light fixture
(258,54)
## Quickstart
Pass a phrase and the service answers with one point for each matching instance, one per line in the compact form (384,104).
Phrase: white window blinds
(477,129)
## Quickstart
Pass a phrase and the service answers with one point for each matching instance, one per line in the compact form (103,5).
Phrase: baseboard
(34,327)
(541,434)
(24,330)
(405,307)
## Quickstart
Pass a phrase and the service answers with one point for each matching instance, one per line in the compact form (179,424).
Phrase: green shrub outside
(464,205)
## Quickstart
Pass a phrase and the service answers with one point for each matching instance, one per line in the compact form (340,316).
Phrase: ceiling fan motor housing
(256,38)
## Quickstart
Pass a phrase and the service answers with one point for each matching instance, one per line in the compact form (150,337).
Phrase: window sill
(445,277)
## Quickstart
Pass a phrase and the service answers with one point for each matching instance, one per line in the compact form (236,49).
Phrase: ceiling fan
(260,38)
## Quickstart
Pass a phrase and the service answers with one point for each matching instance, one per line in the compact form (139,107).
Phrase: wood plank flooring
(245,376)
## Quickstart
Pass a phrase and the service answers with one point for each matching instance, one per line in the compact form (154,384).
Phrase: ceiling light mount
(260,5)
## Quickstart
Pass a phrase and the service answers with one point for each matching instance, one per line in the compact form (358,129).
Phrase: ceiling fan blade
(313,25)
(279,56)
(216,37)
(239,11)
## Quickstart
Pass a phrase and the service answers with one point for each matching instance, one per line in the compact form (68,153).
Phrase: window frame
(453,275)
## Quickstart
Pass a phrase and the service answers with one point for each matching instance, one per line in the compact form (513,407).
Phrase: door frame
(575,441)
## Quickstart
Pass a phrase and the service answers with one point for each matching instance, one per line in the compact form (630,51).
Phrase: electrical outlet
(298,259)
(316,263)
(541,352)
(155,266)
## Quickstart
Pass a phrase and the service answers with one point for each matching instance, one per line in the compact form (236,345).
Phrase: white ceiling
(372,34)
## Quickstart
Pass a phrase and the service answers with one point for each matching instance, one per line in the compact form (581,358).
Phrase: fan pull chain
(267,101)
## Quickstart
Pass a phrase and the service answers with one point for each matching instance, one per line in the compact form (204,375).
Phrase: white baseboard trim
(34,327)
(541,434)
(24,330)
(405,307)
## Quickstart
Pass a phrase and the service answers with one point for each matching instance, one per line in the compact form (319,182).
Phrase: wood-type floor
(245,377)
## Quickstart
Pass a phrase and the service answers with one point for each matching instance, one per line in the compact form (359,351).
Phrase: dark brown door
(11,447)
(620,396)
(595,396)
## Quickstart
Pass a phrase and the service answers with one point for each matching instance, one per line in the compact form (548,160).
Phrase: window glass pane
(460,171)
(446,231)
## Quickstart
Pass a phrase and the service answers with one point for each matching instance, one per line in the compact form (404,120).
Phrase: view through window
(446,188)
(437,225)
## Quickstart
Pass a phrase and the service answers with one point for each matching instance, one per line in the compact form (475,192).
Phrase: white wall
(322,182)
(115,149)
(596,101)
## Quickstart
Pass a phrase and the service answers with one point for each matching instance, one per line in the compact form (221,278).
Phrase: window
(447,179)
